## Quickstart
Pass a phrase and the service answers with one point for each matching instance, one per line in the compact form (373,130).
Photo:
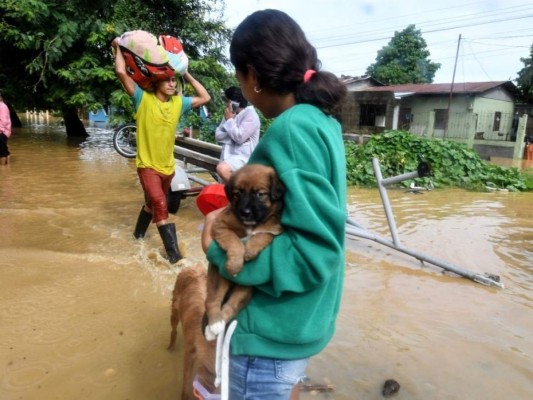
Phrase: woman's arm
(311,248)
(310,162)
(221,135)
(241,129)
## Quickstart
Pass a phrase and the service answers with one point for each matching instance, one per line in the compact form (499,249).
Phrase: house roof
(347,80)
(444,88)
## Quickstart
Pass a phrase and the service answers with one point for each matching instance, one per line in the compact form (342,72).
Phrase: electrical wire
(327,44)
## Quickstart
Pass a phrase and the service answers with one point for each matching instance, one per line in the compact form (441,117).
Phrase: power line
(475,16)
(501,45)
(424,32)
(350,59)
(472,19)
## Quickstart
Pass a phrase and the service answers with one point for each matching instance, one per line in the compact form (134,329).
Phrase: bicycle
(125,140)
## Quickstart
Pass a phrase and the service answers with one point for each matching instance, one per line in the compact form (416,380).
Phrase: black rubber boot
(170,240)
(142,224)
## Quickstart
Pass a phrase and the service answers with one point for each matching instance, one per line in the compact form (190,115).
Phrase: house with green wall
(480,114)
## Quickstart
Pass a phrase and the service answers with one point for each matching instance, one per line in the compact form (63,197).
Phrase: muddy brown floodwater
(84,308)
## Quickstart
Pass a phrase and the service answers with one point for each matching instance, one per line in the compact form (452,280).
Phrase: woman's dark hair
(275,46)
(234,93)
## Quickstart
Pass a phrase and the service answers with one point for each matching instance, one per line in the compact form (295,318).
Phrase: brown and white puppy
(188,307)
(245,227)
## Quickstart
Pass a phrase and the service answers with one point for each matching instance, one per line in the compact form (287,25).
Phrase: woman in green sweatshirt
(298,279)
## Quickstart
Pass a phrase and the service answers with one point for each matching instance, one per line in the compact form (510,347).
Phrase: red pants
(155,186)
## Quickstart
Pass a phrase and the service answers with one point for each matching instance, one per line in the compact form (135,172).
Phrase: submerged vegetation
(452,164)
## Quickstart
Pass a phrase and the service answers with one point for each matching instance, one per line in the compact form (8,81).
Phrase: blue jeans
(255,378)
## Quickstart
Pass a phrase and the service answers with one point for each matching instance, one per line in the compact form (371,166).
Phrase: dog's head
(255,192)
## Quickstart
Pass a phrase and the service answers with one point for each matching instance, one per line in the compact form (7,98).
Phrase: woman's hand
(228,112)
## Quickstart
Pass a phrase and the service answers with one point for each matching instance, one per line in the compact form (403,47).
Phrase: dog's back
(188,307)
(187,299)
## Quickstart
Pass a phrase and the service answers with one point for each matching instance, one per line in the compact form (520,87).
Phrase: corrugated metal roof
(346,79)
(442,88)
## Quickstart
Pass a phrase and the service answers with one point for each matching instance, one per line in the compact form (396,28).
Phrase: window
(369,112)
(497,119)
(405,118)
(440,118)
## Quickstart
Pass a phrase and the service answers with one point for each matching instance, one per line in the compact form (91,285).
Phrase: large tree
(524,81)
(404,60)
(56,53)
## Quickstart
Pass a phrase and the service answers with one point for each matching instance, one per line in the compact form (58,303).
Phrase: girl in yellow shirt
(157,116)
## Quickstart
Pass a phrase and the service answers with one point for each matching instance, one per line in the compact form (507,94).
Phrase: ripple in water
(30,374)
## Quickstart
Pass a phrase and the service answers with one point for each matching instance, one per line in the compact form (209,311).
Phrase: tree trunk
(73,123)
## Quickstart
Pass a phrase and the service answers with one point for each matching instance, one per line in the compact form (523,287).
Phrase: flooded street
(85,307)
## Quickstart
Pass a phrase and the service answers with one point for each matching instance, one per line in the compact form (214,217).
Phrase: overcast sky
(495,34)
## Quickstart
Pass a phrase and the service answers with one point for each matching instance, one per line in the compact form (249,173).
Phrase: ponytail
(275,46)
(323,90)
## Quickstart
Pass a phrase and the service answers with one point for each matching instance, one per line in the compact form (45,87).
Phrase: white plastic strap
(218,359)
(224,390)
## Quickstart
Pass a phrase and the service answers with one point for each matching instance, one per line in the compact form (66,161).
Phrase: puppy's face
(254,192)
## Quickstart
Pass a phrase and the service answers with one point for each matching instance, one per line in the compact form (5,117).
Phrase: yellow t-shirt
(157,122)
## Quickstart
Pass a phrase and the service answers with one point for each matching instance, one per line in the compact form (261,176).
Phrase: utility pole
(451,89)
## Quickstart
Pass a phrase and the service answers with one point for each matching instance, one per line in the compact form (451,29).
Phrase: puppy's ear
(228,189)
(230,185)
(277,189)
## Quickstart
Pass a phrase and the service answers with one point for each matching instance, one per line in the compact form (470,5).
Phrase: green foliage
(207,130)
(404,60)
(56,54)
(452,164)
(524,80)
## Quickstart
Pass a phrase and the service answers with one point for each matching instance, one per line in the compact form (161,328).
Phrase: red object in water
(211,198)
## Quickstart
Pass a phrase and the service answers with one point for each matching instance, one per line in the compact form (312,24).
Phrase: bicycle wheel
(125,140)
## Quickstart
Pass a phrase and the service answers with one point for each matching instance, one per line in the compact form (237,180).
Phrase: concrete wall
(350,115)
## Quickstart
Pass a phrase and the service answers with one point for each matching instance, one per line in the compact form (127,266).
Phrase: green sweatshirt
(298,279)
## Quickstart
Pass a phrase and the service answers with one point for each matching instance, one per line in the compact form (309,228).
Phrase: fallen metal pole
(354,229)
(385,199)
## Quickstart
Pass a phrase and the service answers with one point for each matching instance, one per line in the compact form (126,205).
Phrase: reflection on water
(85,307)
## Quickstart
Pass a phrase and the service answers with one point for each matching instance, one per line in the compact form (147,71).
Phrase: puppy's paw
(234,265)
(209,335)
(213,330)
(250,254)
(218,327)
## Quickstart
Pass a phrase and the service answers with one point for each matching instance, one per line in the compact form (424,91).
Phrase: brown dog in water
(244,228)
(188,307)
